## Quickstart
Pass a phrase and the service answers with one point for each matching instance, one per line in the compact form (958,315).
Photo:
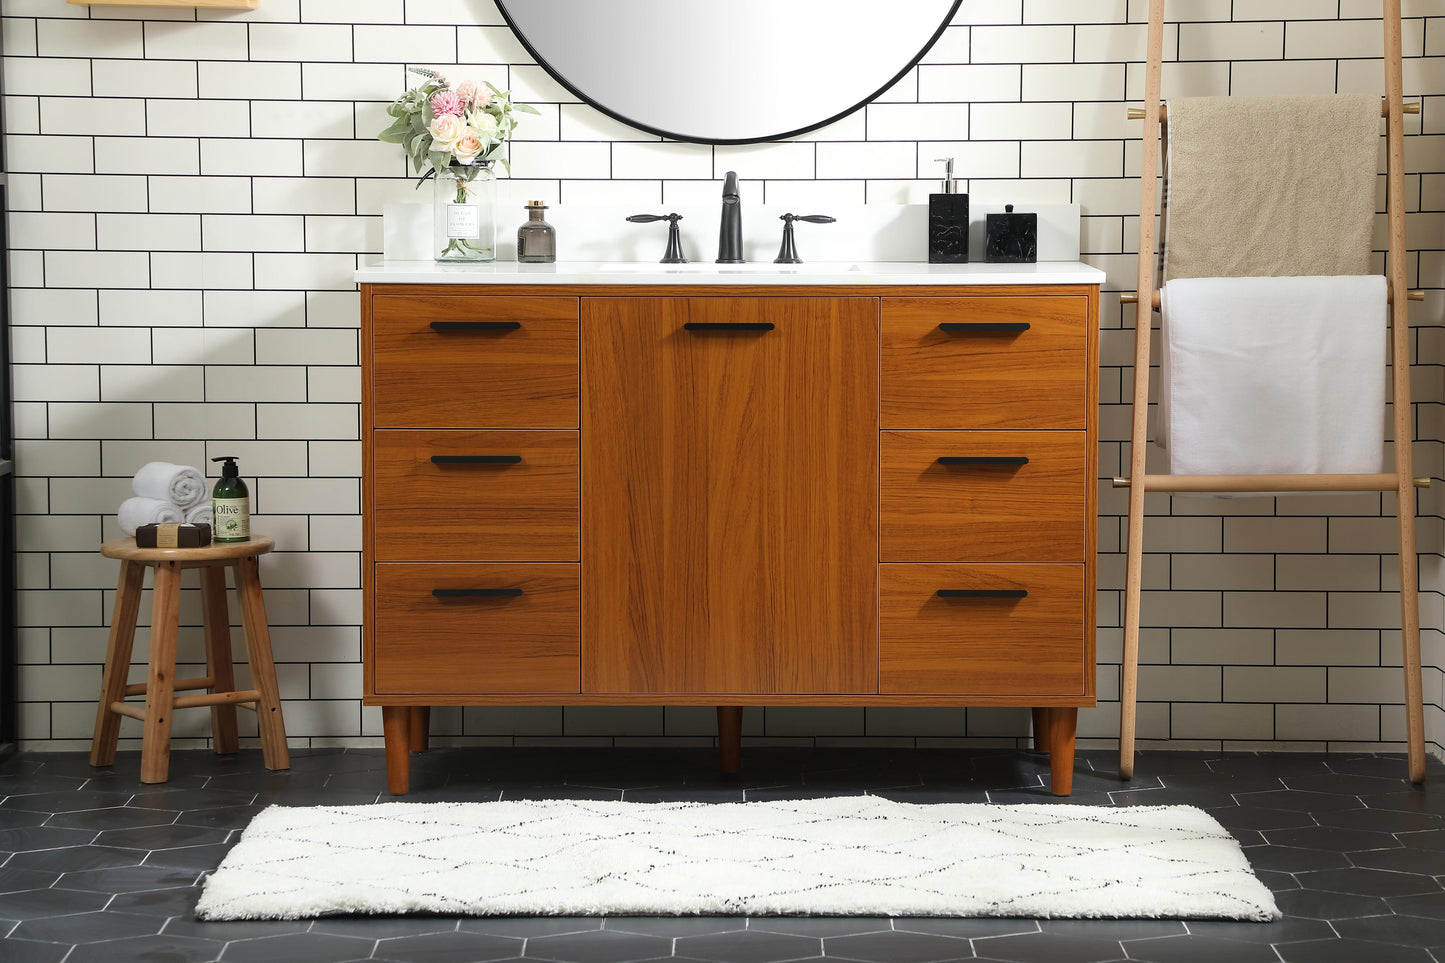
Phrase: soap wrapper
(173,535)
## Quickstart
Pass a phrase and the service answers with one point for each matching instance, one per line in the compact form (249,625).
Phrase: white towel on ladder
(1273,375)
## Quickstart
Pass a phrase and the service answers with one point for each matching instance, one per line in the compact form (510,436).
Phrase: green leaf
(527,109)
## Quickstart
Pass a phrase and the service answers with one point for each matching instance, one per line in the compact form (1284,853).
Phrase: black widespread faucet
(730,233)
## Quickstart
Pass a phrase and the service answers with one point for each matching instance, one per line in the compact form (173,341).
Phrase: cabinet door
(729,495)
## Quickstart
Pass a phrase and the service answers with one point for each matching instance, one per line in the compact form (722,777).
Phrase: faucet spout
(730,231)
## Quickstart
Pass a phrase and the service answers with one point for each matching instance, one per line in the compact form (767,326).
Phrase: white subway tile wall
(191,191)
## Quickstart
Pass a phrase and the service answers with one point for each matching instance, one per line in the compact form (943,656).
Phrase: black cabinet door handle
(983,460)
(983,327)
(475,325)
(983,593)
(476,459)
(476,593)
(729,325)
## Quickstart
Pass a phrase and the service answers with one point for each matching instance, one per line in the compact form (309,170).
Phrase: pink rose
(467,92)
(445,102)
(445,131)
(468,147)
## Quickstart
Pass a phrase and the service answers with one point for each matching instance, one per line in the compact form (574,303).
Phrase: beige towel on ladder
(1272,186)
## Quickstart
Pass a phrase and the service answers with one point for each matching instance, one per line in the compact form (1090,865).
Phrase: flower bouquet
(455,135)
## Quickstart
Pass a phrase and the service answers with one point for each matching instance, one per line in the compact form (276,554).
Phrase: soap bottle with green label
(231,504)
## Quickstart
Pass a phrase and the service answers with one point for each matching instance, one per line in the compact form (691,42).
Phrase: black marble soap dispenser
(948,221)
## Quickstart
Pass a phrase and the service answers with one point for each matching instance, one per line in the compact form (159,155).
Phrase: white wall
(193,190)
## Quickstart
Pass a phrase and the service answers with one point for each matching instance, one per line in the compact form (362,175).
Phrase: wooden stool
(161,684)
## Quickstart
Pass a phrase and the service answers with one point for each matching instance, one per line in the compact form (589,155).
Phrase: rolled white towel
(180,485)
(138,511)
(202,514)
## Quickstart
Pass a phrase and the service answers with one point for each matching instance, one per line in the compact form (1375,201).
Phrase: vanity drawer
(476,629)
(983,368)
(475,495)
(458,361)
(1003,630)
(983,496)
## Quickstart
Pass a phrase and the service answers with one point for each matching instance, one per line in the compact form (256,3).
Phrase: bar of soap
(173,535)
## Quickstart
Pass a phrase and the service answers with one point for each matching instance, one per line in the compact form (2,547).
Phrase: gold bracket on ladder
(1401,481)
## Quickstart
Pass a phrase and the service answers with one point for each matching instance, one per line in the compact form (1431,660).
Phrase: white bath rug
(851,855)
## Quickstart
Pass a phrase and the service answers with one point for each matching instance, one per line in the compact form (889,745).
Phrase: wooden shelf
(228,4)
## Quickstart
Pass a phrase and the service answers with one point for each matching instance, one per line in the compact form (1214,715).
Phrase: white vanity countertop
(707,273)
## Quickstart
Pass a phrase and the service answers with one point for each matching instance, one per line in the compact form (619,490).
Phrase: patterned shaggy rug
(853,855)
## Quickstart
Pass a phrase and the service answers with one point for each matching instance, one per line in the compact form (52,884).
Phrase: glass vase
(464,220)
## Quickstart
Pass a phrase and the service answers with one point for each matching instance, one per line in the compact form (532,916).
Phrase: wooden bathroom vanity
(872,488)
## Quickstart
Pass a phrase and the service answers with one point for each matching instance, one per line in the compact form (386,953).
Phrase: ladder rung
(1137,113)
(1414,294)
(1379,482)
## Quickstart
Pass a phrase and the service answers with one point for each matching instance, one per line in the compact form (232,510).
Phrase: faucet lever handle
(788,253)
(674,253)
(814,218)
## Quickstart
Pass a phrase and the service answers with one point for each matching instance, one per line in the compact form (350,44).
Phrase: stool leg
(216,614)
(263,670)
(155,754)
(117,662)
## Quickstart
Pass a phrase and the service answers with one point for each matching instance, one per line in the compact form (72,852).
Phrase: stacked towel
(1273,375)
(165,493)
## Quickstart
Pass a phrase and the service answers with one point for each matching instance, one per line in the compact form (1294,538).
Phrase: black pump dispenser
(229,469)
(230,504)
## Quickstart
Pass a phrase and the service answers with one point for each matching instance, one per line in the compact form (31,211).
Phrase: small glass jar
(536,239)
(463,218)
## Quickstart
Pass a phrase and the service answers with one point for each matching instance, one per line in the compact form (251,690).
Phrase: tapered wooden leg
(396,728)
(117,662)
(1041,729)
(730,738)
(1133,600)
(216,615)
(155,754)
(420,726)
(263,669)
(1062,726)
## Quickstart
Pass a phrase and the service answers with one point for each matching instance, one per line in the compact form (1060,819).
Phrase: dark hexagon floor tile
(784,793)
(1350,951)
(1287,930)
(1305,802)
(970,926)
(1368,882)
(1276,882)
(563,792)
(27,951)
(228,931)
(930,795)
(1168,796)
(38,903)
(162,837)
(447,948)
(1382,821)
(1200,949)
(1048,948)
(1108,929)
(1432,839)
(750,946)
(181,800)
(1319,905)
(128,879)
(528,927)
(823,926)
(1253,817)
(18,880)
(116,817)
(173,901)
(1338,782)
(1416,799)
(1428,904)
(195,858)
(1331,839)
(602,946)
(1385,765)
(227,817)
(148,949)
(19,818)
(307,947)
(1402,930)
(675,925)
(1293,859)
(1274,764)
(683,794)
(898,947)
(30,838)
(1424,862)
(65,802)
(382,927)
(76,858)
(87,927)
(322,797)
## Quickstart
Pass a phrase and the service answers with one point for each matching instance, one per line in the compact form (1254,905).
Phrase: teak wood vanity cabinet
(729,495)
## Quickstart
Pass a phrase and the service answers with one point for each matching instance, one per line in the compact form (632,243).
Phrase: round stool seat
(126,548)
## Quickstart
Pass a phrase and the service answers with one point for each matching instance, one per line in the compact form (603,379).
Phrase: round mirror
(727,73)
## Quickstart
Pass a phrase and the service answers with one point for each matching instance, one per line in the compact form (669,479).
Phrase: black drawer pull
(983,460)
(983,593)
(729,325)
(476,593)
(476,459)
(983,327)
(475,325)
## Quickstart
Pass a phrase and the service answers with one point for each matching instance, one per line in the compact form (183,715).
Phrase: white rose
(445,131)
(485,125)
